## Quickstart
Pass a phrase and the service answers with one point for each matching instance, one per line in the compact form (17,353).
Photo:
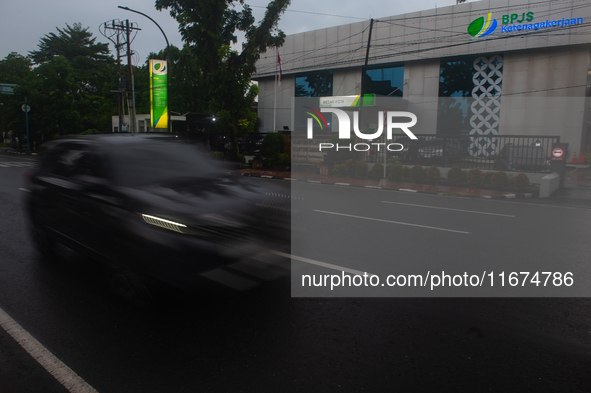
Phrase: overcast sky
(23,24)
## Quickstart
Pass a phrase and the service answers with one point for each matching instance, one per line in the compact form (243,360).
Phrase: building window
(314,84)
(387,81)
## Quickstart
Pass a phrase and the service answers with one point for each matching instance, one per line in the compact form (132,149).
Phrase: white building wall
(283,112)
(421,89)
(544,93)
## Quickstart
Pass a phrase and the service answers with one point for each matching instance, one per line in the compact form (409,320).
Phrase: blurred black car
(154,209)
(522,158)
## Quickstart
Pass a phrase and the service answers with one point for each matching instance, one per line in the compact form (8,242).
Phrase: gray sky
(23,24)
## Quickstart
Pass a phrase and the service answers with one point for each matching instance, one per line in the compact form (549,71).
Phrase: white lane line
(323,264)
(24,189)
(407,190)
(395,222)
(68,378)
(448,208)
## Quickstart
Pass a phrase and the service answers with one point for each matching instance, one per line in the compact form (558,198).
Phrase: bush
(500,180)
(521,181)
(475,177)
(377,172)
(283,159)
(393,161)
(432,174)
(350,166)
(360,169)
(454,176)
(406,172)
(216,155)
(241,159)
(272,146)
(394,172)
(339,170)
(417,173)
(464,176)
(487,177)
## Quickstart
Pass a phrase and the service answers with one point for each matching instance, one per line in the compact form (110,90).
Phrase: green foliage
(216,155)
(394,172)
(209,28)
(406,172)
(360,169)
(334,157)
(432,174)
(283,159)
(241,158)
(67,90)
(521,181)
(350,166)
(417,173)
(475,177)
(272,146)
(464,176)
(377,172)
(488,177)
(455,176)
(500,180)
(339,170)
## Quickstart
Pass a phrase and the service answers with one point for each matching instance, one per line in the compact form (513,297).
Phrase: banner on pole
(158,94)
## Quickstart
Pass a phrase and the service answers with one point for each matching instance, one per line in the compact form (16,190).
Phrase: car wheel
(44,243)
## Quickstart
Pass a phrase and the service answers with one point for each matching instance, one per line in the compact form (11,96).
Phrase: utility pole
(131,104)
(120,34)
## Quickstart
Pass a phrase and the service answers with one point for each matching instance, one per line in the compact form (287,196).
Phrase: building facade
(481,69)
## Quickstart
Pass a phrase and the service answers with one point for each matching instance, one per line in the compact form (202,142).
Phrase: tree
(14,69)
(209,27)
(70,94)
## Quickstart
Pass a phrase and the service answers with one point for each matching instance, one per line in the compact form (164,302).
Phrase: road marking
(407,190)
(448,208)
(17,164)
(323,264)
(395,222)
(342,184)
(64,375)
(24,189)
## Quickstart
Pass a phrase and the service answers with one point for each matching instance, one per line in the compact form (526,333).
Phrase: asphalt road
(265,340)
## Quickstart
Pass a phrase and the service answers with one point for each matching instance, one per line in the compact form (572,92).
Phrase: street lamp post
(168,60)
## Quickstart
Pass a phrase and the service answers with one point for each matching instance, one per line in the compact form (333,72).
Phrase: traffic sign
(558,154)
(25,108)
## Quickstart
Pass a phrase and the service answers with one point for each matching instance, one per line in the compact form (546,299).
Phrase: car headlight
(166,224)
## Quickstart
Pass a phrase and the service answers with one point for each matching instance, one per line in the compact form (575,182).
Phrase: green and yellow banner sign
(158,94)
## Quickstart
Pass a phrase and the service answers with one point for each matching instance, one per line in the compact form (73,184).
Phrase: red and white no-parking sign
(558,153)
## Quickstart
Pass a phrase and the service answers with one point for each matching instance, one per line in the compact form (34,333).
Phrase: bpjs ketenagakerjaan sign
(517,23)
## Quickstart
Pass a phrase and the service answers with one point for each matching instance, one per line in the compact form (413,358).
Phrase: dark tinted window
(155,162)
(74,159)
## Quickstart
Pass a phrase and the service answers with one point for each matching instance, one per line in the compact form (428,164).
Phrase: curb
(506,196)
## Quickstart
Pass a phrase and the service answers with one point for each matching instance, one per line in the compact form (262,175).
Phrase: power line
(315,13)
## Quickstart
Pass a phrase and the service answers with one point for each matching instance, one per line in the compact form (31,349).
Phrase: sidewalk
(394,186)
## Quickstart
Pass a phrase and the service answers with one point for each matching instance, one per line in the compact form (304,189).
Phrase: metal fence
(523,153)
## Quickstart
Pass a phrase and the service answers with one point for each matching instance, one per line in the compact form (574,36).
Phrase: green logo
(482,26)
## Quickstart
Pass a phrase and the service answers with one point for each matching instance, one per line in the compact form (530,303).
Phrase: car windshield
(148,163)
